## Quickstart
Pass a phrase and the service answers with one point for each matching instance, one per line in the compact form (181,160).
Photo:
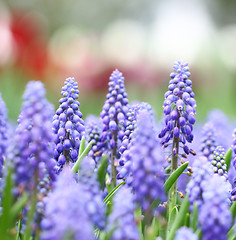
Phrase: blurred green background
(50,40)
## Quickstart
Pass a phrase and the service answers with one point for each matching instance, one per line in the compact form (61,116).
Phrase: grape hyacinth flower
(131,122)
(121,222)
(68,125)
(185,233)
(208,141)
(114,117)
(31,153)
(179,110)
(126,142)
(146,164)
(214,215)
(4,129)
(233,193)
(93,129)
(222,124)
(65,214)
(94,205)
(218,162)
(202,172)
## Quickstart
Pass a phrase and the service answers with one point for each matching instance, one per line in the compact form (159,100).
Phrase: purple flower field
(122,175)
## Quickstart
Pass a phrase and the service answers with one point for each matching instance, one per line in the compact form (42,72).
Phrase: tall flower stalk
(68,125)
(179,110)
(114,117)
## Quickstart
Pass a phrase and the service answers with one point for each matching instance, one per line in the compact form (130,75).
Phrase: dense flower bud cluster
(4,133)
(121,222)
(208,141)
(231,170)
(214,215)
(234,148)
(185,233)
(93,129)
(126,142)
(114,113)
(218,162)
(68,124)
(65,215)
(202,171)
(221,122)
(92,194)
(31,152)
(146,163)
(131,122)
(179,108)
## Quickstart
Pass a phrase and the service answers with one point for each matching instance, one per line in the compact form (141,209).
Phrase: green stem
(113,157)
(174,166)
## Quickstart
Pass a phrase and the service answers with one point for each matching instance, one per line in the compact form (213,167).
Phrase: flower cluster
(121,222)
(218,162)
(126,142)
(208,141)
(131,122)
(4,132)
(179,108)
(65,215)
(114,113)
(93,129)
(92,194)
(202,170)
(214,215)
(185,233)
(146,163)
(68,124)
(31,152)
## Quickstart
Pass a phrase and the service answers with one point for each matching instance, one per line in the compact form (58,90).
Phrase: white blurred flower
(123,42)
(179,30)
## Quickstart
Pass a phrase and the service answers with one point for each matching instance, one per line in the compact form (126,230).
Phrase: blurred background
(50,40)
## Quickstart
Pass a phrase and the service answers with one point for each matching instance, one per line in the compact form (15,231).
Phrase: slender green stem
(113,157)
(174,166)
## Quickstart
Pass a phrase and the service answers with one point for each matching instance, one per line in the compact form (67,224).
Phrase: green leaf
(231,233)
(114,190)
(7,201)
(194,221)
(19,230)
(180,218)
(187,220)
(233,209)
(17,207)
(174,176)
(84,153)
(228,157)
(172,217)
(82,145)
(101,174)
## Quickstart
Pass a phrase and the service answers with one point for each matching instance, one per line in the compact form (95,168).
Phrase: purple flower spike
(93,196)
(4,132)
(31,152)
(65,214)
(93,130)
(202,171)
(121,222)
(146,163)
(185,233)
(179,106)
(208,141)
(68,125)
(214,215)
(115,109)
